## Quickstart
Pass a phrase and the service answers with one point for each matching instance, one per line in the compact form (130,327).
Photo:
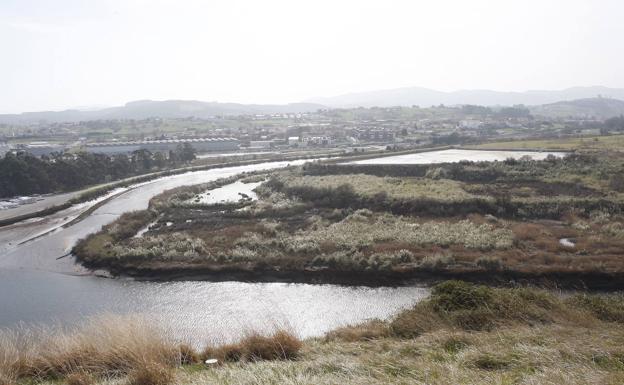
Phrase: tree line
(25,174)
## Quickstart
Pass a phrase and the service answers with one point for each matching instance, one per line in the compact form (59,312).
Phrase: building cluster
(396,127)
(165,145)
(373,134)
(117,147)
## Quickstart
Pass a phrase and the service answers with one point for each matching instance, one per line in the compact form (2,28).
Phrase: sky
(70,53)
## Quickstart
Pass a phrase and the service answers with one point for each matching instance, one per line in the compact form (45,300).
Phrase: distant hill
(425,97)
(601,108)
(162,109)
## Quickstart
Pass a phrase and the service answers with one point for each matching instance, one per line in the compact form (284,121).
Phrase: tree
(159,160)
(185,152)
(142,159)
(616,123)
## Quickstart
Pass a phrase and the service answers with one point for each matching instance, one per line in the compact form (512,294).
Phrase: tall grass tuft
(281,345)
(79,378)
(152,373)
(103,346)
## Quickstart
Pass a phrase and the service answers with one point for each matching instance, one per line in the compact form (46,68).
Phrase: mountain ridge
(143,109)
(552,103)
(425,97)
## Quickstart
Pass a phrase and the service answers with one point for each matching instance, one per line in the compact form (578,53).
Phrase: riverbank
(70,199)
(97,191)
(590,281)
(461,334)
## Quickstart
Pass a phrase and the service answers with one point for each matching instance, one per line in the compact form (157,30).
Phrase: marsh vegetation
(470,220)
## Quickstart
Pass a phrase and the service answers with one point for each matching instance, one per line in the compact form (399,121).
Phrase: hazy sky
(70,53)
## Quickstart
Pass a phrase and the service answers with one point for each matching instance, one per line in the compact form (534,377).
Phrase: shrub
(151,373)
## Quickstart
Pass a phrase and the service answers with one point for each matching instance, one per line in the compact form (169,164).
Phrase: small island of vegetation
(556,221)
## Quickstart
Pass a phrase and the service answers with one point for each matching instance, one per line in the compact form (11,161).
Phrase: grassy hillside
(462,334)
(602,108)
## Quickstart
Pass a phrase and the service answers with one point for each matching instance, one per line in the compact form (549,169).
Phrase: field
(611,142)
(461,334)
(557,220)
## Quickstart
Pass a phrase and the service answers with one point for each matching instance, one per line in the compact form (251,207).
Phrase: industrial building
(39,148)
(200,145)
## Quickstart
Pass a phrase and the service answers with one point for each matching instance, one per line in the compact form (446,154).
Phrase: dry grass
(544,355)
(118,347)
(105,346)
(366,331)
(532,337)
(188,355)
(528,336)
(79,378)
(281,345)
(152,373)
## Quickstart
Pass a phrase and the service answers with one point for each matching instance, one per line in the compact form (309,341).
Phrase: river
(39,285)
